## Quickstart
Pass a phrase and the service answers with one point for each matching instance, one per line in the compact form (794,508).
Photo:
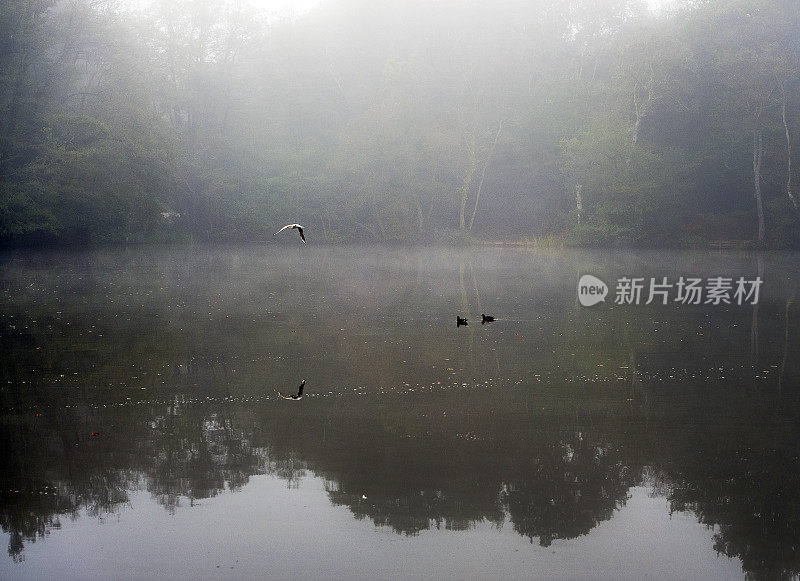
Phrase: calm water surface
(142,436)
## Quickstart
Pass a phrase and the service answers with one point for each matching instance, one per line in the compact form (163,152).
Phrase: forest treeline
(579,122)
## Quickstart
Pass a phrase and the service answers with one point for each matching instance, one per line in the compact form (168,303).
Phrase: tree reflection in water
(550,475)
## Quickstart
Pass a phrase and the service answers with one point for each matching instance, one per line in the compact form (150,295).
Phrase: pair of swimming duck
(462,321)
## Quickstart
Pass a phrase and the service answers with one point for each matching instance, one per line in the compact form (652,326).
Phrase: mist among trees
(559,122)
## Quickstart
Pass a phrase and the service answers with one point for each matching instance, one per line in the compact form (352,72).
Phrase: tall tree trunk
(580,61)
(789,193)
(467,185)
(636,123)
(642,106)
(758,152)
(483,174)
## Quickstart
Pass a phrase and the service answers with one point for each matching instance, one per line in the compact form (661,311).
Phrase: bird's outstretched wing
(303,238)
(300,389)
(284,228)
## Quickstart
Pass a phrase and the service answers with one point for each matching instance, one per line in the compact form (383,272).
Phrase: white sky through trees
(289,7)
(278,8)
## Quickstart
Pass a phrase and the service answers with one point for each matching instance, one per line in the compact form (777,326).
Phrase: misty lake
(142,435)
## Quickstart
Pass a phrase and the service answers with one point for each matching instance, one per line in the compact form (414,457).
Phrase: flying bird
(486,319)
(297,227)
(294,397)
(461,322)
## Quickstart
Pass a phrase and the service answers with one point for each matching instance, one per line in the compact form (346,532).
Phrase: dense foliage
(566,121)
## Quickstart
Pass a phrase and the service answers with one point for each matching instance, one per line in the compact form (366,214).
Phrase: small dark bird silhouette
(297,227)
(294,397)
(461,322)
(486,319)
